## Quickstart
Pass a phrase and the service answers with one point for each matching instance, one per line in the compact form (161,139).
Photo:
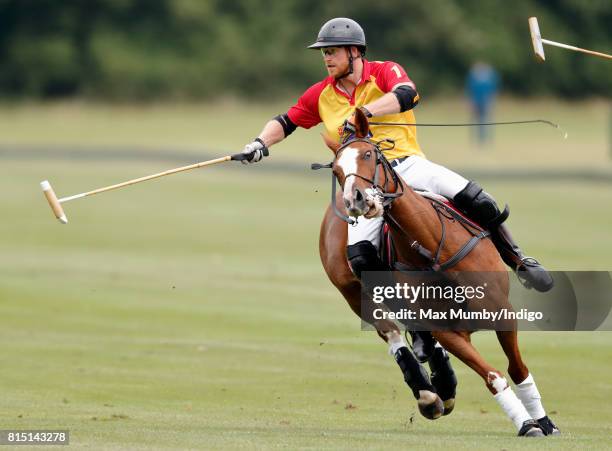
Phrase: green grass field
(229,125)
(193,313)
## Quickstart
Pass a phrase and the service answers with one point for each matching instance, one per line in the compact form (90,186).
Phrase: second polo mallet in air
(538,43)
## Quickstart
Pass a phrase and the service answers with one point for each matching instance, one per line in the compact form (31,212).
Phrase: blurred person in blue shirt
(481,87)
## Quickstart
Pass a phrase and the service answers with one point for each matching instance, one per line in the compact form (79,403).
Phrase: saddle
(446,211)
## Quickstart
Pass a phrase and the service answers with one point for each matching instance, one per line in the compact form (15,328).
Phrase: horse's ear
(333,145)
(362,127)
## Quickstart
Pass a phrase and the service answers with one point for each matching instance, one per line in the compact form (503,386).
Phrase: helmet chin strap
(350,66)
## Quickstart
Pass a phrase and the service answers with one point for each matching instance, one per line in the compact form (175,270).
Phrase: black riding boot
(528,269)
(481,207)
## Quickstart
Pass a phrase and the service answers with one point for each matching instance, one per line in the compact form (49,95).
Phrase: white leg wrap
(396,341)
(527,392)
(513,407)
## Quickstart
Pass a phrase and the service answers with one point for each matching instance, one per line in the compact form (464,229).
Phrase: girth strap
(463,252)
(434,260)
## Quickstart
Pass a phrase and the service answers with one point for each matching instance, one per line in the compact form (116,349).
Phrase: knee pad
(363,256)
(477,204)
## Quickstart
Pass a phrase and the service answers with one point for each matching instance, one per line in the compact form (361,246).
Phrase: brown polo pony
(412,217)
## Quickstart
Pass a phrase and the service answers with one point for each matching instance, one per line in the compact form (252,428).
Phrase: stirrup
(529,261)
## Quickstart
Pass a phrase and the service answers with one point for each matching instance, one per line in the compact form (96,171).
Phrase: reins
(475,124)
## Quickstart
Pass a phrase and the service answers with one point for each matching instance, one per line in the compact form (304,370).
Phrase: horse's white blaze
(348,164)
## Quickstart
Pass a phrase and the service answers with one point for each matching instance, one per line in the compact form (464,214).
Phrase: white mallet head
(54,203)
(536,38)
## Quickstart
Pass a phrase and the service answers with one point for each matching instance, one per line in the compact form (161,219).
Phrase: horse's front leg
(332,249)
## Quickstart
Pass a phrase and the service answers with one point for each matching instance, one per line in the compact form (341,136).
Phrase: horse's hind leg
(517,370)
(526,388)
(458,344)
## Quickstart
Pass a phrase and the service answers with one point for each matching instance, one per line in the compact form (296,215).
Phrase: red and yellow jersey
(325,102)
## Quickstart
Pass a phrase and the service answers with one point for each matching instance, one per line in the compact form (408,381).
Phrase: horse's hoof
(531,428)
(449,406)
(548,426)
(430,405)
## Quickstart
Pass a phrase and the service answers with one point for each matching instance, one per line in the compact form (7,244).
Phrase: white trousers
(420,174)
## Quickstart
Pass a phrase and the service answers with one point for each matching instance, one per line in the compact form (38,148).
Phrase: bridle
(441,210)
(382,189)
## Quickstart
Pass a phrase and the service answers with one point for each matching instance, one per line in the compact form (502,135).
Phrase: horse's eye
(367,155)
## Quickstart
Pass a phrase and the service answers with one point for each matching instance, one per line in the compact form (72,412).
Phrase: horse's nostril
(358,195)
(347,203)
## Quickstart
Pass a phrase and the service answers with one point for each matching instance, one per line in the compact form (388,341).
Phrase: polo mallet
(56,204)
(538,43)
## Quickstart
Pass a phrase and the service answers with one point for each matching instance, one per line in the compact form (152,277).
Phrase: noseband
(388,172)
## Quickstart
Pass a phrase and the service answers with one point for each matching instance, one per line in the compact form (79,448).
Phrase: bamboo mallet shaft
(577,49)
(59,213)
(145,178)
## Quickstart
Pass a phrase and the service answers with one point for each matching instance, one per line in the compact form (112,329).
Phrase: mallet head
(54,203)
(536,38)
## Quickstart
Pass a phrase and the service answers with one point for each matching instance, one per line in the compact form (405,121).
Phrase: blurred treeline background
(203,49)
